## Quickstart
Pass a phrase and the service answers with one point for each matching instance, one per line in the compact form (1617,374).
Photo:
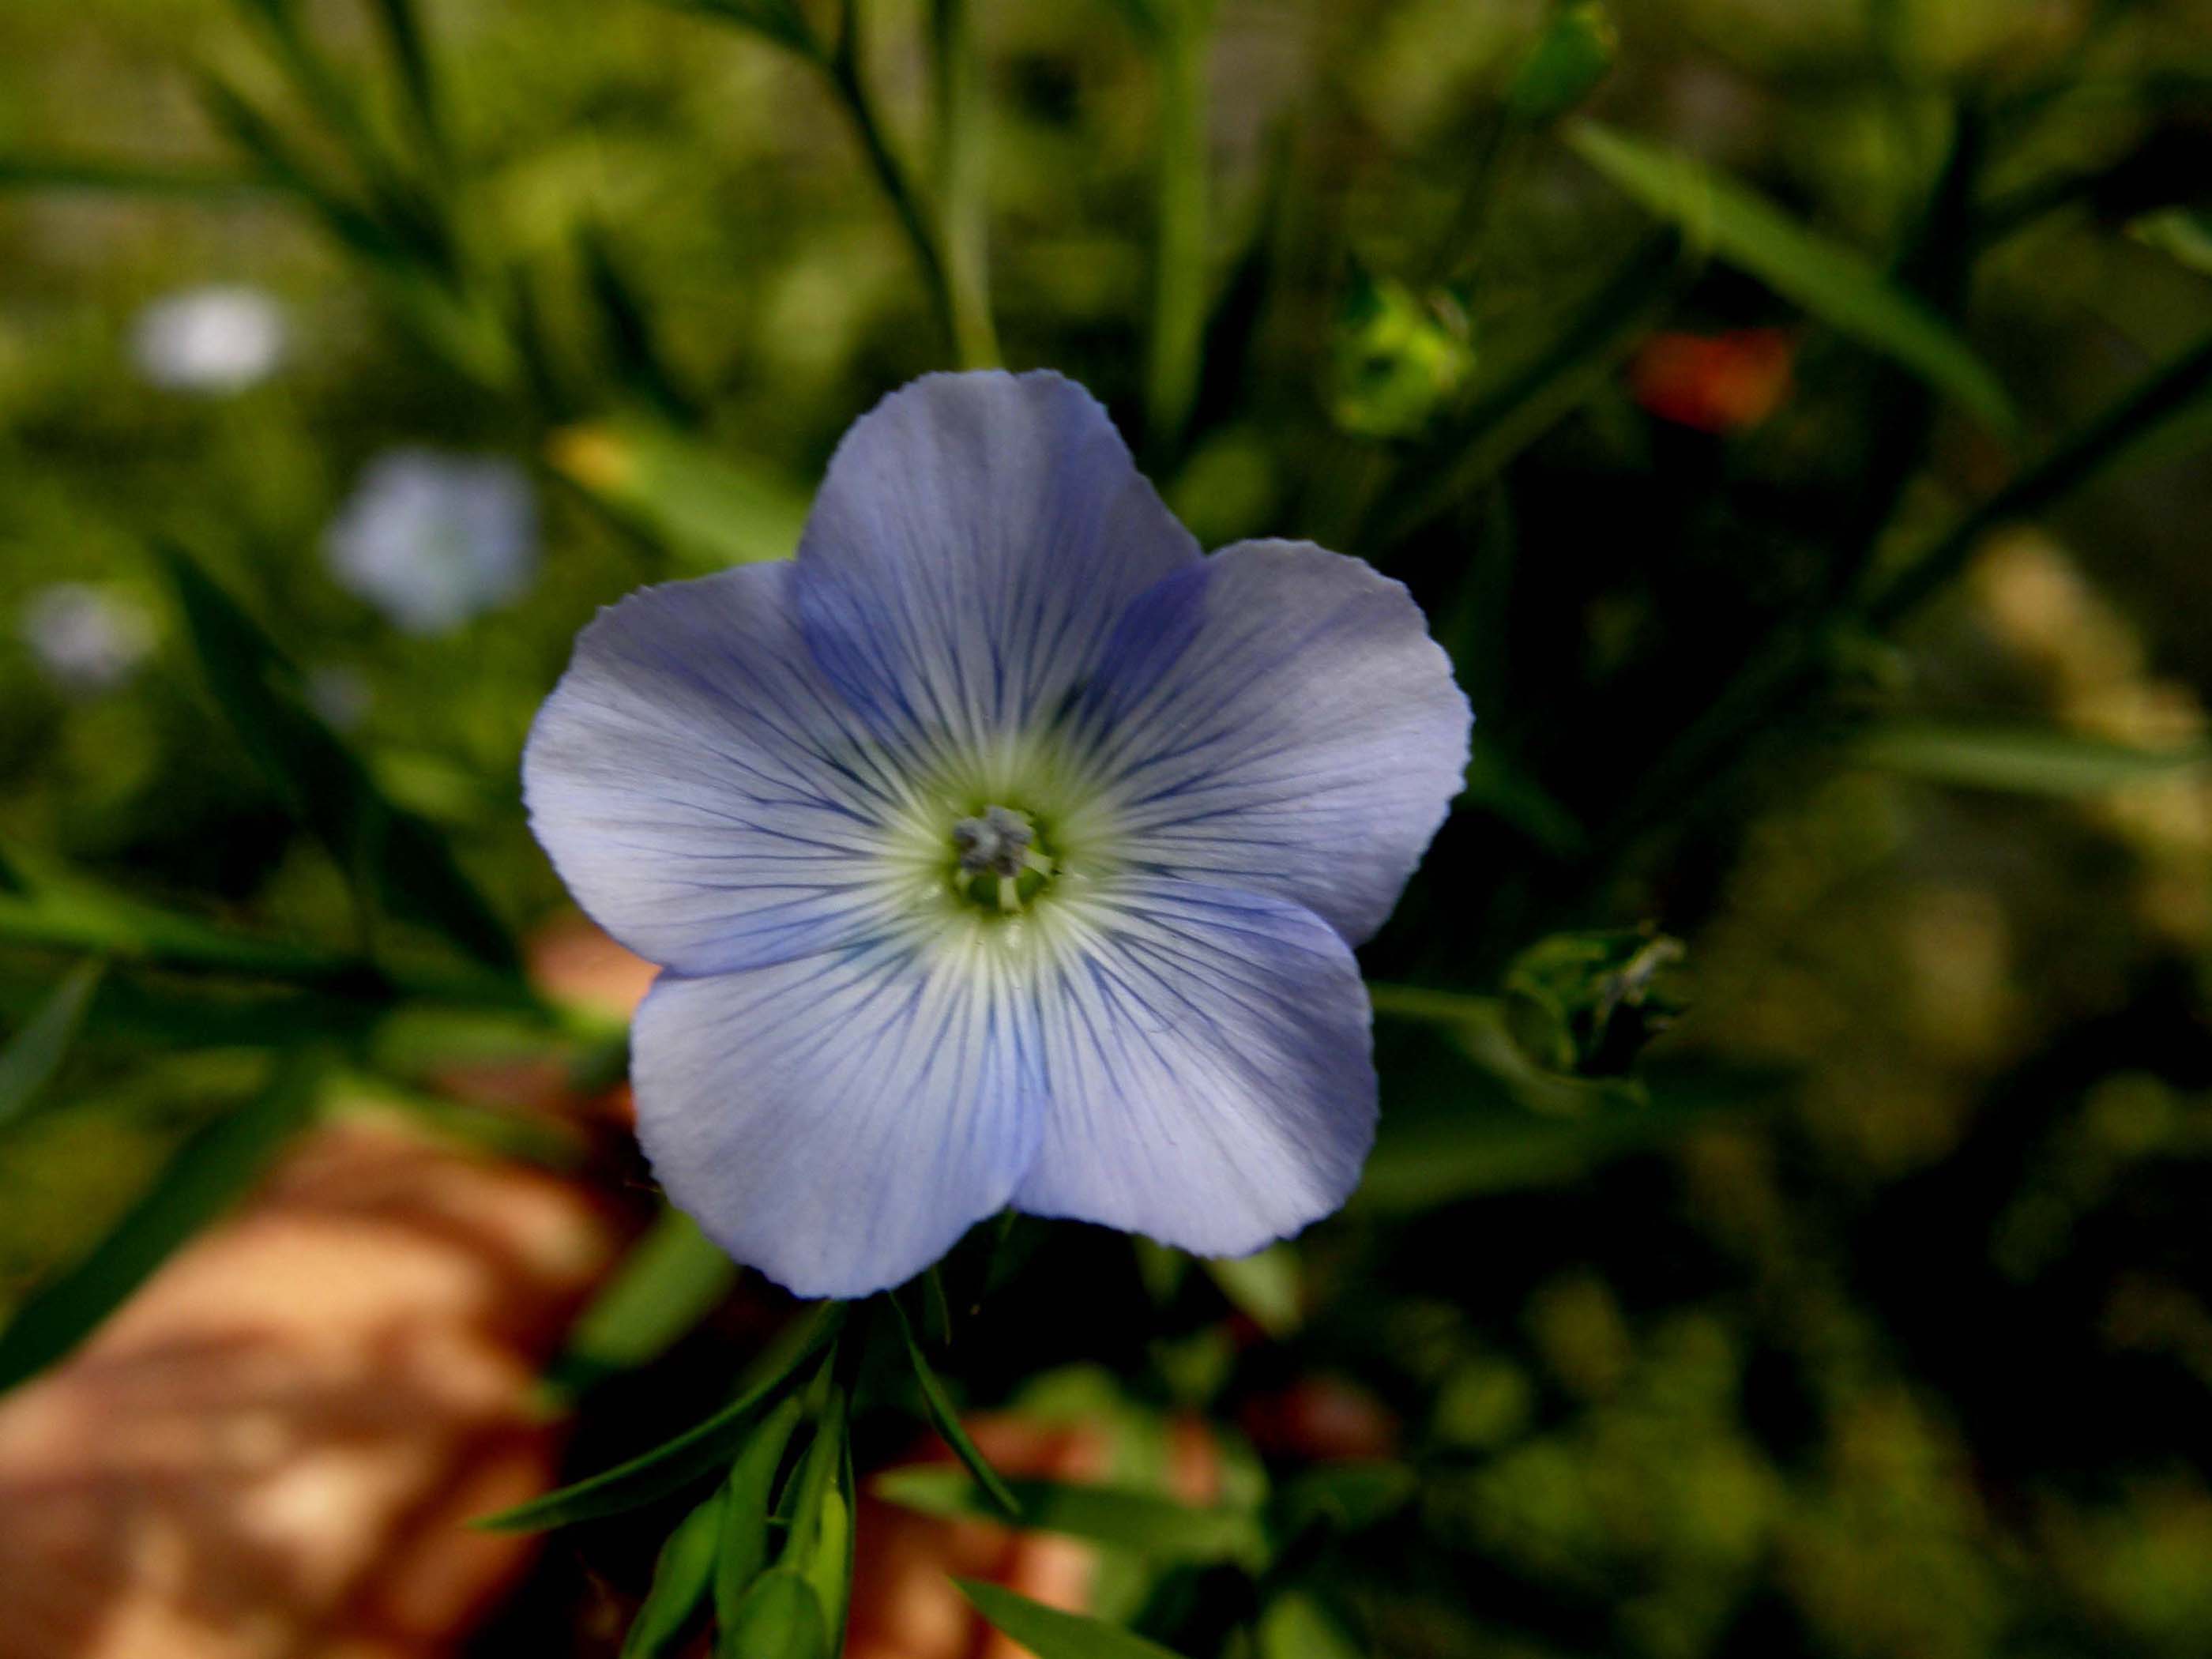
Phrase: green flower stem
(1180,40)
(963,149)
(841,66)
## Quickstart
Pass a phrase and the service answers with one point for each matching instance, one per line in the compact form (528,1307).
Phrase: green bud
(1587,1003)
(1573,53)
(1398,358)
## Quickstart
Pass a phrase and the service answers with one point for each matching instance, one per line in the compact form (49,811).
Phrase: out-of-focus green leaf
(1571,54)
(779,20)
(820,1544)
(781,1618)
(2181,234)
(35,1052)
(749,1499)
(680,1578)
(1482,1028)
(1141,1523)
(1267,1287)
(411,55)
(2021,760)
(672,1280)
(397,860)
(1294,1626)
(709,511)
(23,172)
(946,1421)
(1830,280)
(214,1168)
(679,1462)
(626,329)
(1051,1634)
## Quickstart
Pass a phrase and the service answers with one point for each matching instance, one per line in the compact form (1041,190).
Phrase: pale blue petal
(1278,721)
(704,792)
(839,1123)
(974,540)
(1209,1060)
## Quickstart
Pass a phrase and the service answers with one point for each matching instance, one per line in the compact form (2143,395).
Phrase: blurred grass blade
(216,1167)
(35,1053)
(1344,1498)
(2153,410)
(1142,1523)
(58,909)
(680,1580)
(679,1462)
(23,171)
(748,1501)
(962,128)
(1296,1626)
(1267,1288)
(707,510)
(1051,1634)
(633,348)
(2020,760)
(673,1278)
(1828,279)
(398,862)
(946,1421)
(283,167)
(1181,126)
(1496,783)
(410,56)
(779,20)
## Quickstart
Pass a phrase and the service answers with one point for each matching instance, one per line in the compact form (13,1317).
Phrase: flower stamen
(1000,864)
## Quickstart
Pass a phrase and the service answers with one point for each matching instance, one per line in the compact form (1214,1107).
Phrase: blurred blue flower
(85,639)
(216,339)
(432,540)
(1000,848)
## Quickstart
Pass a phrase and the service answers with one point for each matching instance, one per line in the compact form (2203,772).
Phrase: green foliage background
(1863,1312)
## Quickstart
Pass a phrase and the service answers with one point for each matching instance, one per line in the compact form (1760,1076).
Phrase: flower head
(999,848)
(216,339)
(432,540)
(85,639)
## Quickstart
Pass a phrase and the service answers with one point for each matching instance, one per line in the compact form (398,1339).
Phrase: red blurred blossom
(1713,382)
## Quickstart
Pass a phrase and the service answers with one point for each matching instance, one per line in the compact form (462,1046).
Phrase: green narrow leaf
(709,511)
(749,1499)
(626,330)
(680,1578)
(946,1421)
(1828,279)
(1141,1523)
(2023,760)
(673,1277)
(398,862)
(410,56)
(1296,1626)
(781,1618)
(1051,1634)
(25,172)
(214,1167)
(676,1462)
(35,1053)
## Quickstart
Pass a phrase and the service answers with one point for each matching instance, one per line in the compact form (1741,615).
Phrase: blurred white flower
(432,539)
(215,339)
(341,694)
(85,639)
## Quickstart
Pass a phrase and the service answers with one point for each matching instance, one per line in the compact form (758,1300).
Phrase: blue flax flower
(999,849)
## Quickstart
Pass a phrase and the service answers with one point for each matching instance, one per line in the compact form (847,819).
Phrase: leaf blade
(36,1051)
(216,1167)
(1051,1634)
(946,1421)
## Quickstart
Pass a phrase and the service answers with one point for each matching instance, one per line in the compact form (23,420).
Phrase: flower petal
(973,542)
(706,794)
(1278,721)
(839,1123)
(1212,1077)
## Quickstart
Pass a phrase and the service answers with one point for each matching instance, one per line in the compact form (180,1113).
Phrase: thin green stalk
(963,144)
(1179,266)
(842,65)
